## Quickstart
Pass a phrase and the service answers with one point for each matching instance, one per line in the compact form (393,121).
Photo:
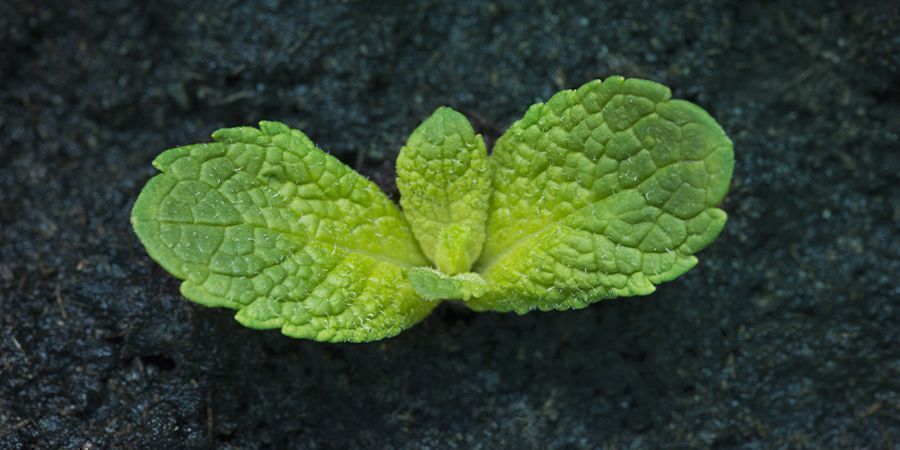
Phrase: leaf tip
(271,128)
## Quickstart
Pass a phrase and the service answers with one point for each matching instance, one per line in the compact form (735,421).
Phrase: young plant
(602,192)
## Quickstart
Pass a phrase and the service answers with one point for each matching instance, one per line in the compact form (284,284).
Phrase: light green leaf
(445,184)
(603,191)
(264,222)
(432,284)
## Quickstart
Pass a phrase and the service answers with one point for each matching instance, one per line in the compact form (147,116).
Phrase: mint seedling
(604,191)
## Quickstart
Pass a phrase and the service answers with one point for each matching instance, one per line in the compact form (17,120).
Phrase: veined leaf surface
(445,184)
(264,222)
(601,192)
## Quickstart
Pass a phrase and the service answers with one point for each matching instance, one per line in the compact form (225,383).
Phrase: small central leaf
(434,285)
(445,184)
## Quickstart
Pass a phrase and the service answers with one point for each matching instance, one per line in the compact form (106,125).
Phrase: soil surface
(787,334)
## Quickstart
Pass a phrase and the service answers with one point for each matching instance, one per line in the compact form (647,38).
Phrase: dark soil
(787,334)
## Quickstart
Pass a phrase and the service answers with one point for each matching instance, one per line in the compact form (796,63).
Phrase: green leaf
(432,284)
(604,191)
(264,222)
(445,185)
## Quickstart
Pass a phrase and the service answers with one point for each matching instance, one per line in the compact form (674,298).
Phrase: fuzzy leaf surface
(445,184)
(263,222)
(604,191)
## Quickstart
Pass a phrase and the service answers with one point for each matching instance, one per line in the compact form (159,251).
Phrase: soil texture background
(786,335)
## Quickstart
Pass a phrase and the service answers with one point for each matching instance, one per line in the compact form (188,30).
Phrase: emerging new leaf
(434,285)
(264,222)
(603,191)
(445,185)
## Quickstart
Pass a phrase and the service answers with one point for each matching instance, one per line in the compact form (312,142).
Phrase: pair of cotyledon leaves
(603,191)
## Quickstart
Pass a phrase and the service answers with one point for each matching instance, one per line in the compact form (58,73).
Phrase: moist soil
(784,336)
